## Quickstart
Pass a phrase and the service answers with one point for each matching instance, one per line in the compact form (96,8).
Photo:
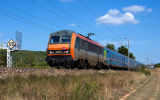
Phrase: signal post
(11,44)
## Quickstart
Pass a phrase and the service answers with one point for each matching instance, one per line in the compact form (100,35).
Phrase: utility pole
(147,60)
(128,52)
(147,63)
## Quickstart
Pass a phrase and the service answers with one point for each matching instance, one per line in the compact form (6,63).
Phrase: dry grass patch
(101,85)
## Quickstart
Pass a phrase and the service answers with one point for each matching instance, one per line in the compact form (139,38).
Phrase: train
(69,49)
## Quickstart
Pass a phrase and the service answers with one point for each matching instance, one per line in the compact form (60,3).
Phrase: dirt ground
(149,90)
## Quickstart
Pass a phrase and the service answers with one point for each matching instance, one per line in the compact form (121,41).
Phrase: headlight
(66,51)
(58,52)
(51,52)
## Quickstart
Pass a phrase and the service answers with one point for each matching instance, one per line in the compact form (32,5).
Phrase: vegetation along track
(149,90)
(66,84)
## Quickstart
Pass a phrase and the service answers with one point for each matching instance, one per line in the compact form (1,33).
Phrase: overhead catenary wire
(24,20)
(25,12)
(54,13)
(30,14)
(73,17)
(93,14)
(87,8)
(32,22)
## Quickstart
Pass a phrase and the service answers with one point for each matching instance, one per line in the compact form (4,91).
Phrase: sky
(111,20)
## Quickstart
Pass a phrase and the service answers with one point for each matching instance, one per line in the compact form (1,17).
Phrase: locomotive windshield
(60,39)
(66,39)
(54,39)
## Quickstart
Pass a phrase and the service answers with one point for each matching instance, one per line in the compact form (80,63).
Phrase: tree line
(157,65)
(24,58)
(122,50)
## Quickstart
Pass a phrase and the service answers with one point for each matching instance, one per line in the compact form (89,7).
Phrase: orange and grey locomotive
(69,49)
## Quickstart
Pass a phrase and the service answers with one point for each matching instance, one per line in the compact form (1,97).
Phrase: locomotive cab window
(66,39)
(54,39)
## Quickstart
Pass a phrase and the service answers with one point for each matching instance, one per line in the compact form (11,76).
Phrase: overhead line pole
(147,61)
(128,54)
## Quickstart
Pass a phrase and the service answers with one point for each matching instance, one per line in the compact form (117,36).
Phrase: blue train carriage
(114,59)
(138,65)
(133,64)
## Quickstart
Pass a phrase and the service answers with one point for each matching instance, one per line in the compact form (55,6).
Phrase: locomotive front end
(59,51)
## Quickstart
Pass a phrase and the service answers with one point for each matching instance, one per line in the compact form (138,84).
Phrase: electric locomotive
(69,49)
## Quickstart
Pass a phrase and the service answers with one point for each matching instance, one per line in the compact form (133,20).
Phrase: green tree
(111,46)
(132,56)
(123,50)
(30,59)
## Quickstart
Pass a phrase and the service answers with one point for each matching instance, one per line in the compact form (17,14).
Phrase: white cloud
(134,8)
(66,0)
(149,10)
(115,17)
(72,25)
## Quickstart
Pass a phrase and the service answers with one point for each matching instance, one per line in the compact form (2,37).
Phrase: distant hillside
(25,58)
(157,65)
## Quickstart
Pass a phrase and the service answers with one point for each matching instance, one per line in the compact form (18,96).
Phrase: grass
(43,67)
(95,86)
(143,69)
(53,88)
